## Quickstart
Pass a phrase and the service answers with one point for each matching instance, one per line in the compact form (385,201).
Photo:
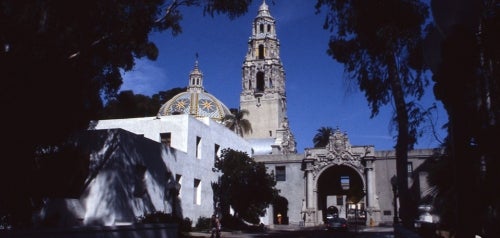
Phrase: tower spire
(196,78)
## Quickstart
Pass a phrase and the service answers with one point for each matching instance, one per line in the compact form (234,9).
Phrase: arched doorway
(340,187)
(280,210)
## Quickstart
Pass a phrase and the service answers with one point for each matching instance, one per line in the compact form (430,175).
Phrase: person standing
(215,227)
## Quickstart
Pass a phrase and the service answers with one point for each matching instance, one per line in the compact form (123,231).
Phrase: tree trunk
(401,144)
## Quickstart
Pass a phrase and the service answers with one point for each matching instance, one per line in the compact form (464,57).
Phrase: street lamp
(394,183)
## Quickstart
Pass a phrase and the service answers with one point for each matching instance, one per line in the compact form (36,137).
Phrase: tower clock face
(207,105)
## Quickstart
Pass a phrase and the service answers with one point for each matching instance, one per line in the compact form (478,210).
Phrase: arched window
(260,82)
(261,28)
(268,28)
(261,52)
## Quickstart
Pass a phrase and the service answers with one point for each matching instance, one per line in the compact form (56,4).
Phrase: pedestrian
(215,227)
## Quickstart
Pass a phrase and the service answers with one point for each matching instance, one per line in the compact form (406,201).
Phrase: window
(261,52)
(280,173)
(344,182)
(268,28)
(261,28)
(197,192)
(198,147)
(216,152)
(178,179)
(270,133)
(140,181)
(387,212)
(340,200)
(165,138)
(410,168)
(260,82)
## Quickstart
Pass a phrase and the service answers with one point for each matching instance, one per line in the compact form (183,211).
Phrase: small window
(198,147)
(280,173)
(268,28)
(340,200)
(140,180)
(410,168)
(261,28)
(387,212)
(344,182)
(216,152)
(270,133)
(178,179)
(197,192)
(166,138)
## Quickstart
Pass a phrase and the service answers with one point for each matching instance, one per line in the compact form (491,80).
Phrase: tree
(466,78)
(58,59)
(127,104)
(381,48)
(322,138)
(237,123)
(244,185)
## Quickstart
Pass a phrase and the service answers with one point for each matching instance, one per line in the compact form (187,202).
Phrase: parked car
(336,223)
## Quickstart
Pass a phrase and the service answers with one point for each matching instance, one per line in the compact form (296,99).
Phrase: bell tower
(263,82)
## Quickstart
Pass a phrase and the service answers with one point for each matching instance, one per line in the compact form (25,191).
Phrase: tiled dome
(195,101)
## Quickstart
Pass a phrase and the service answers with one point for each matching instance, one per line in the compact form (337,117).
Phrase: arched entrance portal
(342,187)
(280,210)
(339,175)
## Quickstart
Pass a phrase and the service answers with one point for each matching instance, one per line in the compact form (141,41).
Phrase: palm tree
(236,122)
(322,137)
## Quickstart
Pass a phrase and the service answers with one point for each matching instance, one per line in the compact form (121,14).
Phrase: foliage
(59,59)
(237,123)
(127,104)
(244,185)
(203,223)
(162,217)
(466,81)
(381,48)
(322,138)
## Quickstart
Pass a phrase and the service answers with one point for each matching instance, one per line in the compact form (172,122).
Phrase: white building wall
(181,157)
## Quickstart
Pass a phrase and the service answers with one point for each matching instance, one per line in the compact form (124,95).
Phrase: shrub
(162,217)
(203,223)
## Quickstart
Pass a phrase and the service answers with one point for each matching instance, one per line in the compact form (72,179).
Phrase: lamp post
(394,183)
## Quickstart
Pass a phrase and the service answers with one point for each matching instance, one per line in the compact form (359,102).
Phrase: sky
(318,92)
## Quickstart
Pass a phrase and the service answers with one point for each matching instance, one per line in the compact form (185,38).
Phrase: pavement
(278,228)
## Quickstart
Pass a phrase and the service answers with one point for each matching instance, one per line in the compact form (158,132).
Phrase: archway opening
(280,210)
(340,190)
(260,82)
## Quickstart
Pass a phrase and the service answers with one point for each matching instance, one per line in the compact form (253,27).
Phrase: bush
(203,223)
(162,217)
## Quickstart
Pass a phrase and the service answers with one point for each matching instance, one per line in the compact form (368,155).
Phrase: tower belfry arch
(341,171)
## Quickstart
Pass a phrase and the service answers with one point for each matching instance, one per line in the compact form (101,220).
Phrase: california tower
(263,87)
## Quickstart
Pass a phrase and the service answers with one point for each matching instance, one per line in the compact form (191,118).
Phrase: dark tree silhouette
(127,104)
(244,185)
(466,72)
(58,58)
(380,44)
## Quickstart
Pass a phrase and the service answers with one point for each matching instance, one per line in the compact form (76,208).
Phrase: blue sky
(318,93)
